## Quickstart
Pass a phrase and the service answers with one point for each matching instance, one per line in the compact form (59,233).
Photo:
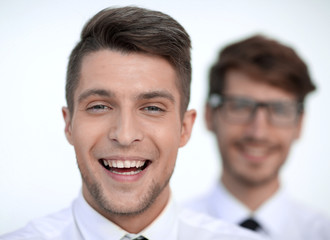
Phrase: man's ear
(208,115)
(67,120)
(187,125)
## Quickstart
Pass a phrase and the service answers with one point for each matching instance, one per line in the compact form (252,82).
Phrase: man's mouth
(256,152)
(125,167)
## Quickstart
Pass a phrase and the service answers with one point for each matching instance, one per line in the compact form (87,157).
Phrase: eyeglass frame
(216,100)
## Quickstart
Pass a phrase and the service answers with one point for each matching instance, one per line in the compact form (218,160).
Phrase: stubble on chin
(107,208)
(253,181)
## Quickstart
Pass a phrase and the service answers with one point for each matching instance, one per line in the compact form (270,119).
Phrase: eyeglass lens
(241,110)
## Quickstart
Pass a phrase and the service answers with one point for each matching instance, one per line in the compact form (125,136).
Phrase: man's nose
(125,128)
(259,125)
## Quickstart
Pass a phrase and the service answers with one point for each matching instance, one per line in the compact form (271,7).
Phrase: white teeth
(133,164)
(123,164)
(139,164)
(120,164)
(127,164)
(256,151)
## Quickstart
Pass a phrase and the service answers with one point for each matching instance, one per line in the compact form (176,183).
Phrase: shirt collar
(274,213)
(92,225)
(270,215)
(166,224)
(228,207)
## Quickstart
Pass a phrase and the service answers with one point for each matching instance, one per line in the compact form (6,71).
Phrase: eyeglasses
(242,110)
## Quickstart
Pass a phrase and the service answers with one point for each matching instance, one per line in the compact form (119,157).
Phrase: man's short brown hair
(265,59)
(133,30)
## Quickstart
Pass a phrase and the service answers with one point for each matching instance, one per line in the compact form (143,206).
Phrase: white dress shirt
(82,222)
(280,217)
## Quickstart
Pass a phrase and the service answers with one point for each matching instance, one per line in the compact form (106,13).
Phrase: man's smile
(124,166)
(256,152)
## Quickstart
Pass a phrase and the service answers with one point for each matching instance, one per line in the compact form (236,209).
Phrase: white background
(38,173)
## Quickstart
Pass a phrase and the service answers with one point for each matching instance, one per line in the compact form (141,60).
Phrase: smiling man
(256,109)
(127,90)
(126,127)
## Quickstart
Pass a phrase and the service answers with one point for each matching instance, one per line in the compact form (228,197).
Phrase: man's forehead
(107,68)
(239,82)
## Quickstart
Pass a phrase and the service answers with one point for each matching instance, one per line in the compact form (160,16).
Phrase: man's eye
(98,108)
(282,109)
(153,109)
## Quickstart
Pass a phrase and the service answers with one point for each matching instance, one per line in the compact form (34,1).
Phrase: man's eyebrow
(91,92)
(157,94)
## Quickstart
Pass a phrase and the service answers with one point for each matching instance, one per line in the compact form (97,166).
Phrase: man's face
(253,152)
(126,129)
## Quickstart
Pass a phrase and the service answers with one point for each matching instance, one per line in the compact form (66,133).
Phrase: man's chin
(124,208)
(124,203)
(255,180)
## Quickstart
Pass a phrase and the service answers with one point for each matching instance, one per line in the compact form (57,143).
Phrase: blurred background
(38,172)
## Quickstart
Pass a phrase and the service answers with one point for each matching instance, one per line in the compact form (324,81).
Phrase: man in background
(255,108)
(127,91)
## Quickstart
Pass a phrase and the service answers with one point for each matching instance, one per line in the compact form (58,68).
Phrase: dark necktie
(251,224)
(140,238)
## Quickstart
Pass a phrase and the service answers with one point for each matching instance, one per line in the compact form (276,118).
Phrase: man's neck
(252,196)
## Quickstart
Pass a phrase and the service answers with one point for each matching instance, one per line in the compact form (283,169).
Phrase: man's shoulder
(310,218)
(195,225)
(50,227)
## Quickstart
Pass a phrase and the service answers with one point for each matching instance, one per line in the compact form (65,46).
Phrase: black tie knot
(140,238)
(251,224)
